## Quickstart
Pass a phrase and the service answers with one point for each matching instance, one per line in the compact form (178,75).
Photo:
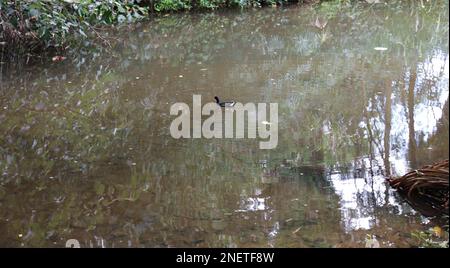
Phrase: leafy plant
(51,23)
(171,5)
(209,4)
(431,238)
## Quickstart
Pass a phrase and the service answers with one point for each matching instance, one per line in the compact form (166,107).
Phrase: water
(86,152)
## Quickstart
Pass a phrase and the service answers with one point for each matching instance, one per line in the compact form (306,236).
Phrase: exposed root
(426,189)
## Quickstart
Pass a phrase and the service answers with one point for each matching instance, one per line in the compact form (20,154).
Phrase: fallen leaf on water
(437,231)
(58,58)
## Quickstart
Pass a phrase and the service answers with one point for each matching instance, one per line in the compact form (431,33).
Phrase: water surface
(86,152)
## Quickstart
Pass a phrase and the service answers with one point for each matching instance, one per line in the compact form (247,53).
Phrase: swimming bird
(224,103)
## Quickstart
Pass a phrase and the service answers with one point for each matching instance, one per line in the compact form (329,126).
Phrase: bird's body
(224,103)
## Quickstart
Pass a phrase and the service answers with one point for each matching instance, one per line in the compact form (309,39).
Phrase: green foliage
(429,239)
(210,4)
(435,237)
(50,23)
(172,5)
(111,12)
(32,25)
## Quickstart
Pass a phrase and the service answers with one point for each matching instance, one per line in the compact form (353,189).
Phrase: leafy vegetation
(27,26)
(435,237)
(172,5)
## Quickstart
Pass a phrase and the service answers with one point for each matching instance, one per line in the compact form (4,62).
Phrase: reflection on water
(86,151)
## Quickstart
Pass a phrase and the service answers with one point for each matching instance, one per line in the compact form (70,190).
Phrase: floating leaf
(58,58)
(437,231)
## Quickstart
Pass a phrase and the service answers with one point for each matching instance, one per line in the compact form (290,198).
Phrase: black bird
(224,103)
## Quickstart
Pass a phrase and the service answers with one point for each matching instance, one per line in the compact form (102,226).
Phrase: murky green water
(86,152)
